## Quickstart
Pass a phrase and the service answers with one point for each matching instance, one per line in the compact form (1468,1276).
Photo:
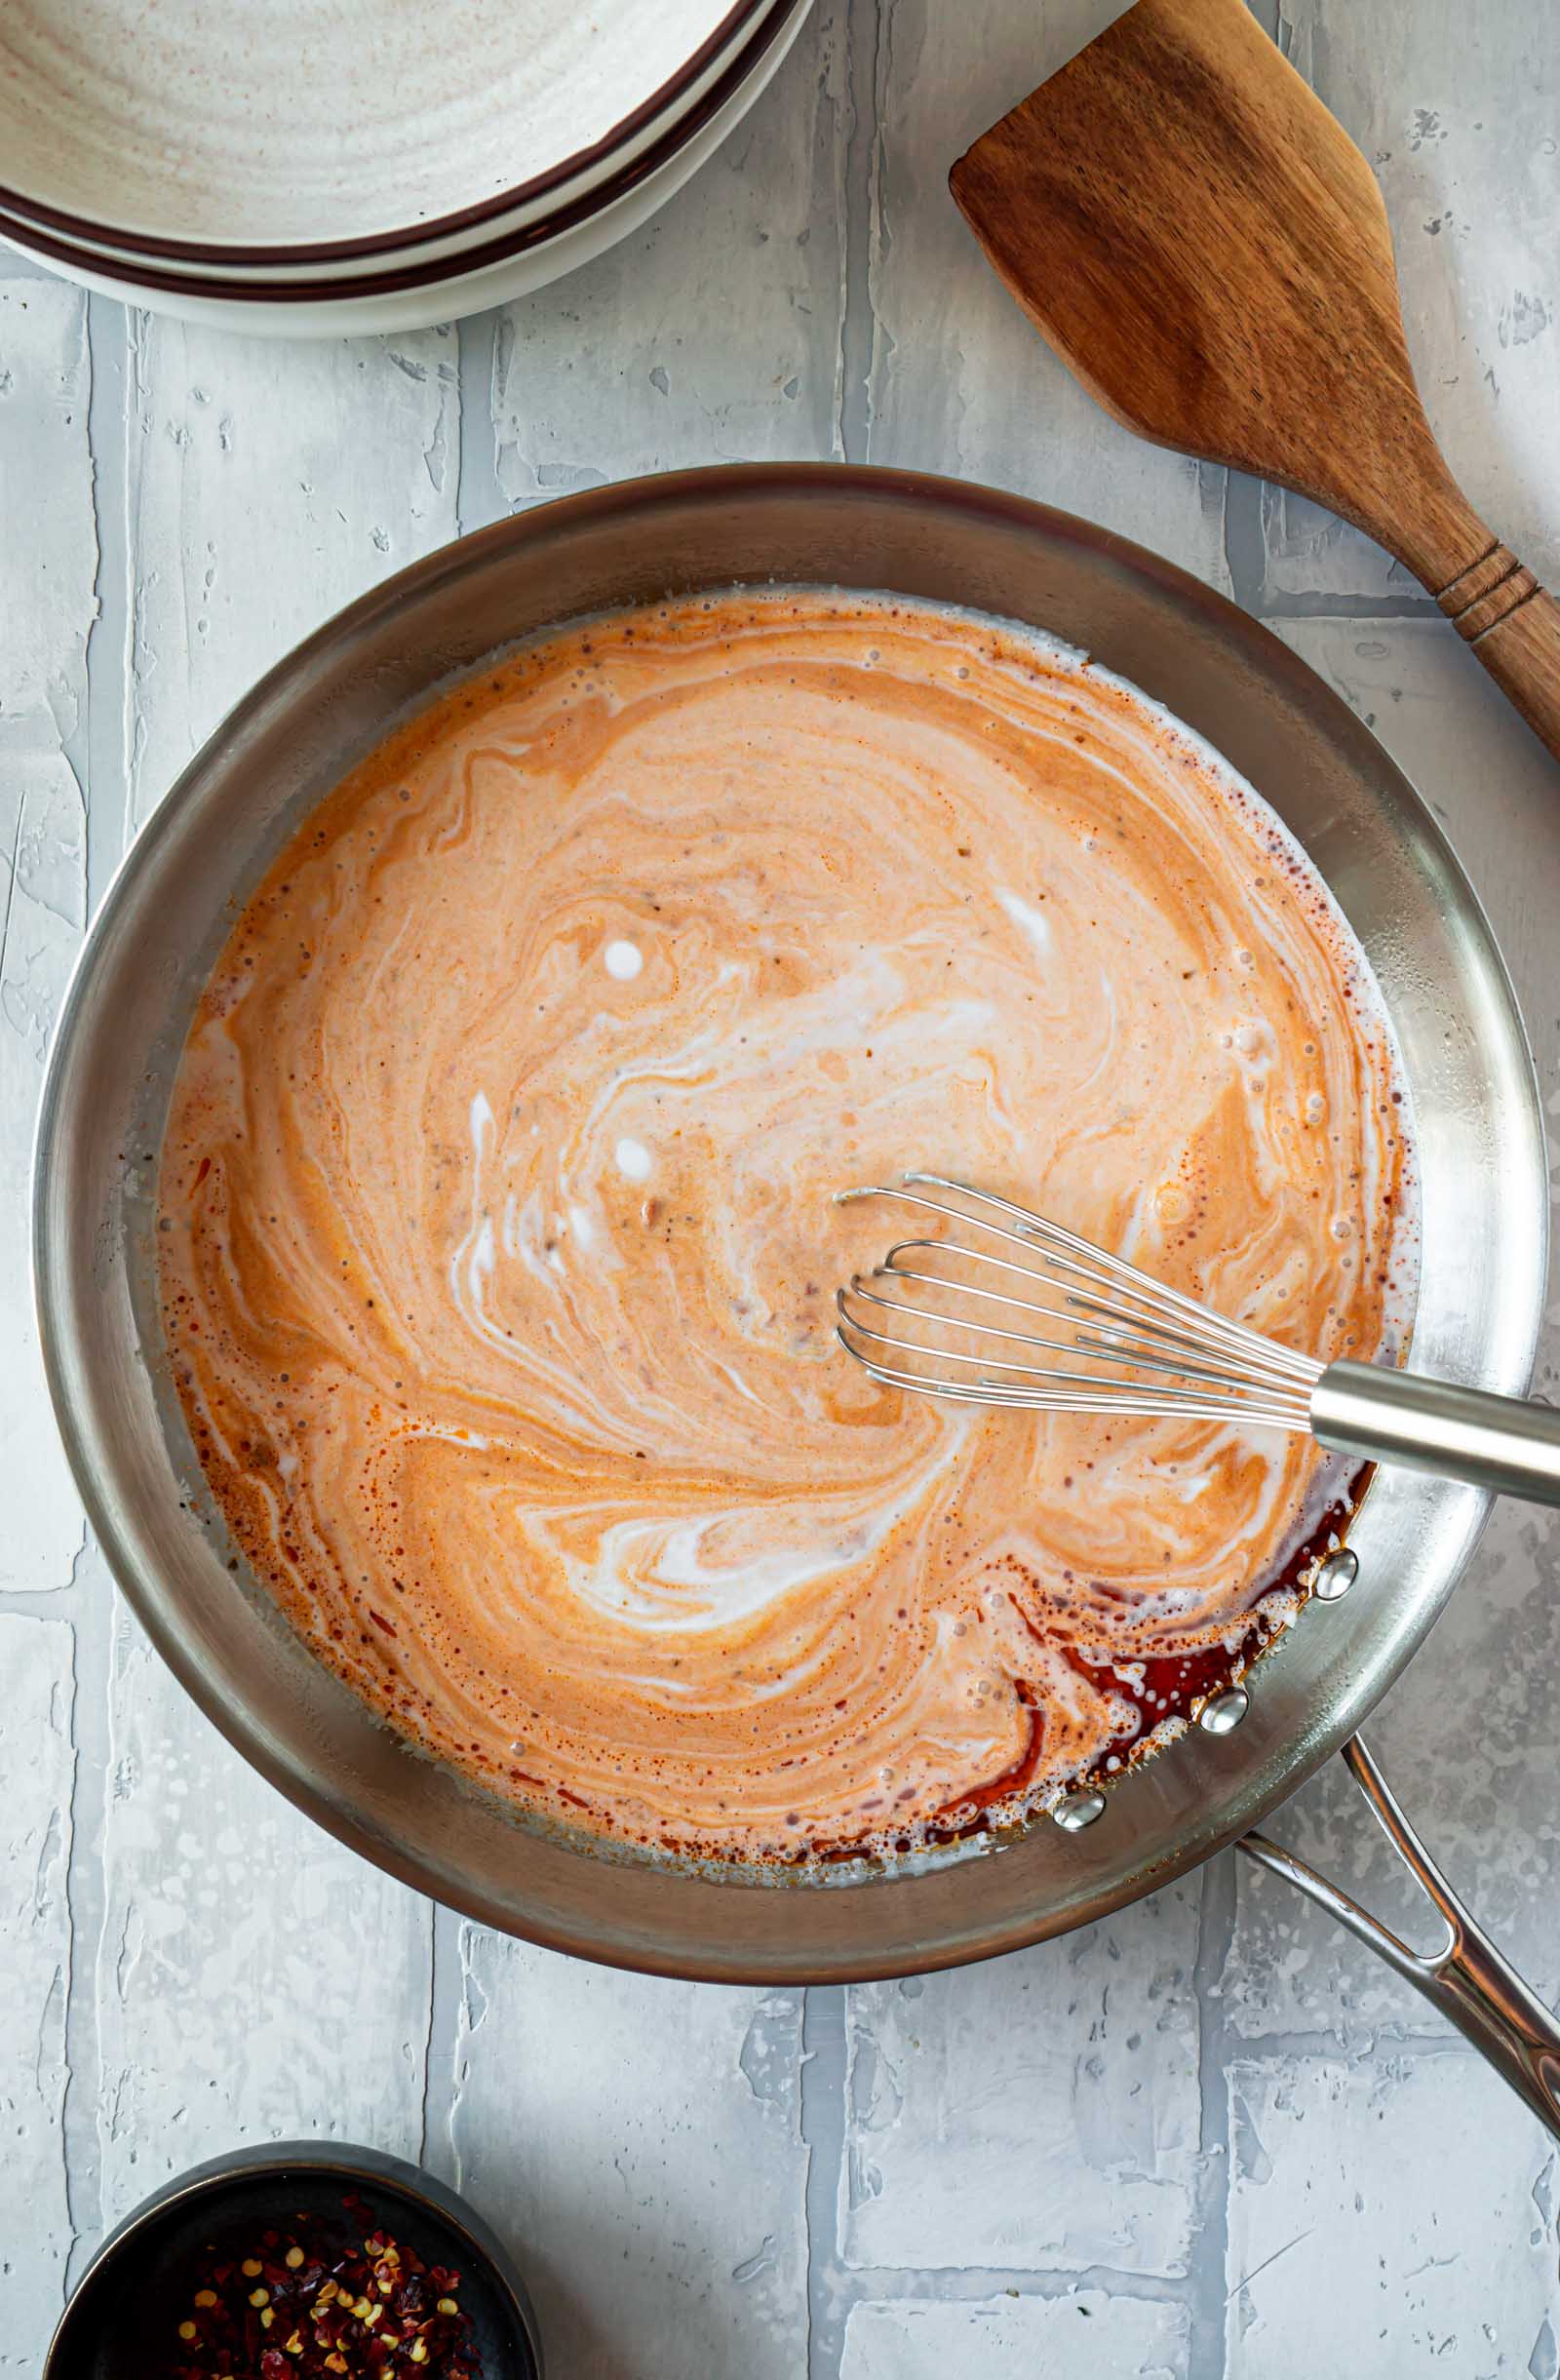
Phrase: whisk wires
(1007,1309)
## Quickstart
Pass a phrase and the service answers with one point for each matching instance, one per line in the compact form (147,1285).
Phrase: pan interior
(1479,1146)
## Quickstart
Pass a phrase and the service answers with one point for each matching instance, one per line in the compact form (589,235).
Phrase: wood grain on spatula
(1205,246)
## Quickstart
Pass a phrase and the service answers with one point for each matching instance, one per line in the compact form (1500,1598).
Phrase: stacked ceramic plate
(358,165)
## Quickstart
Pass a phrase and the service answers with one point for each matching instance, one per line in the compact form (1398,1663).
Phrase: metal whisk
(1009,1309)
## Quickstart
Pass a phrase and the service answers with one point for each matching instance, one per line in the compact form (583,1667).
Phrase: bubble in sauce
(574,1486)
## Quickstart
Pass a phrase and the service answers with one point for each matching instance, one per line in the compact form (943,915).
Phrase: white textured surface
(643,2138)
(36,1759)
(1346,2257)
(1208,2138)
(1077,2057)
(234,1932)
(1014,2337)
(48,559)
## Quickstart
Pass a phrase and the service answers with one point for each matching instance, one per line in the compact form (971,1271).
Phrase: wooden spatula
(1205,246)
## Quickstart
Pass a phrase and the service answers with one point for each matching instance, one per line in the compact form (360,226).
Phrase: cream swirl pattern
(497,1245)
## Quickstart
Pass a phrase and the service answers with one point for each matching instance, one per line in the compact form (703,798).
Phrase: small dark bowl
(138,2281)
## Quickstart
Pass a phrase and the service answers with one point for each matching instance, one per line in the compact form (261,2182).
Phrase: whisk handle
(1497,1442)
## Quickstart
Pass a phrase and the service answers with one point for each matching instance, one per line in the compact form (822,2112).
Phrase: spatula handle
(1514,626)
(1492,600)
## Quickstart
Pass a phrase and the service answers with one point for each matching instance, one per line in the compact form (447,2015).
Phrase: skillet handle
(1467,1980)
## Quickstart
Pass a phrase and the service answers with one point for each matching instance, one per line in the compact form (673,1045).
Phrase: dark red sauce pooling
(1170,1687)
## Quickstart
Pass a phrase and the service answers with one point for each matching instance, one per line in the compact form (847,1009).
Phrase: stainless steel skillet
(1479,1133)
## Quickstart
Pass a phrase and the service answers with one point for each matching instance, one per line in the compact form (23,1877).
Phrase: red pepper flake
(348,2300)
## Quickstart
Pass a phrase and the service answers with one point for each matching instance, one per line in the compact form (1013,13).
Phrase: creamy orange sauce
(497,1243)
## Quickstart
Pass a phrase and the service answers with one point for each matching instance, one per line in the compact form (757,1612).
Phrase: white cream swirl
(499,1251)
